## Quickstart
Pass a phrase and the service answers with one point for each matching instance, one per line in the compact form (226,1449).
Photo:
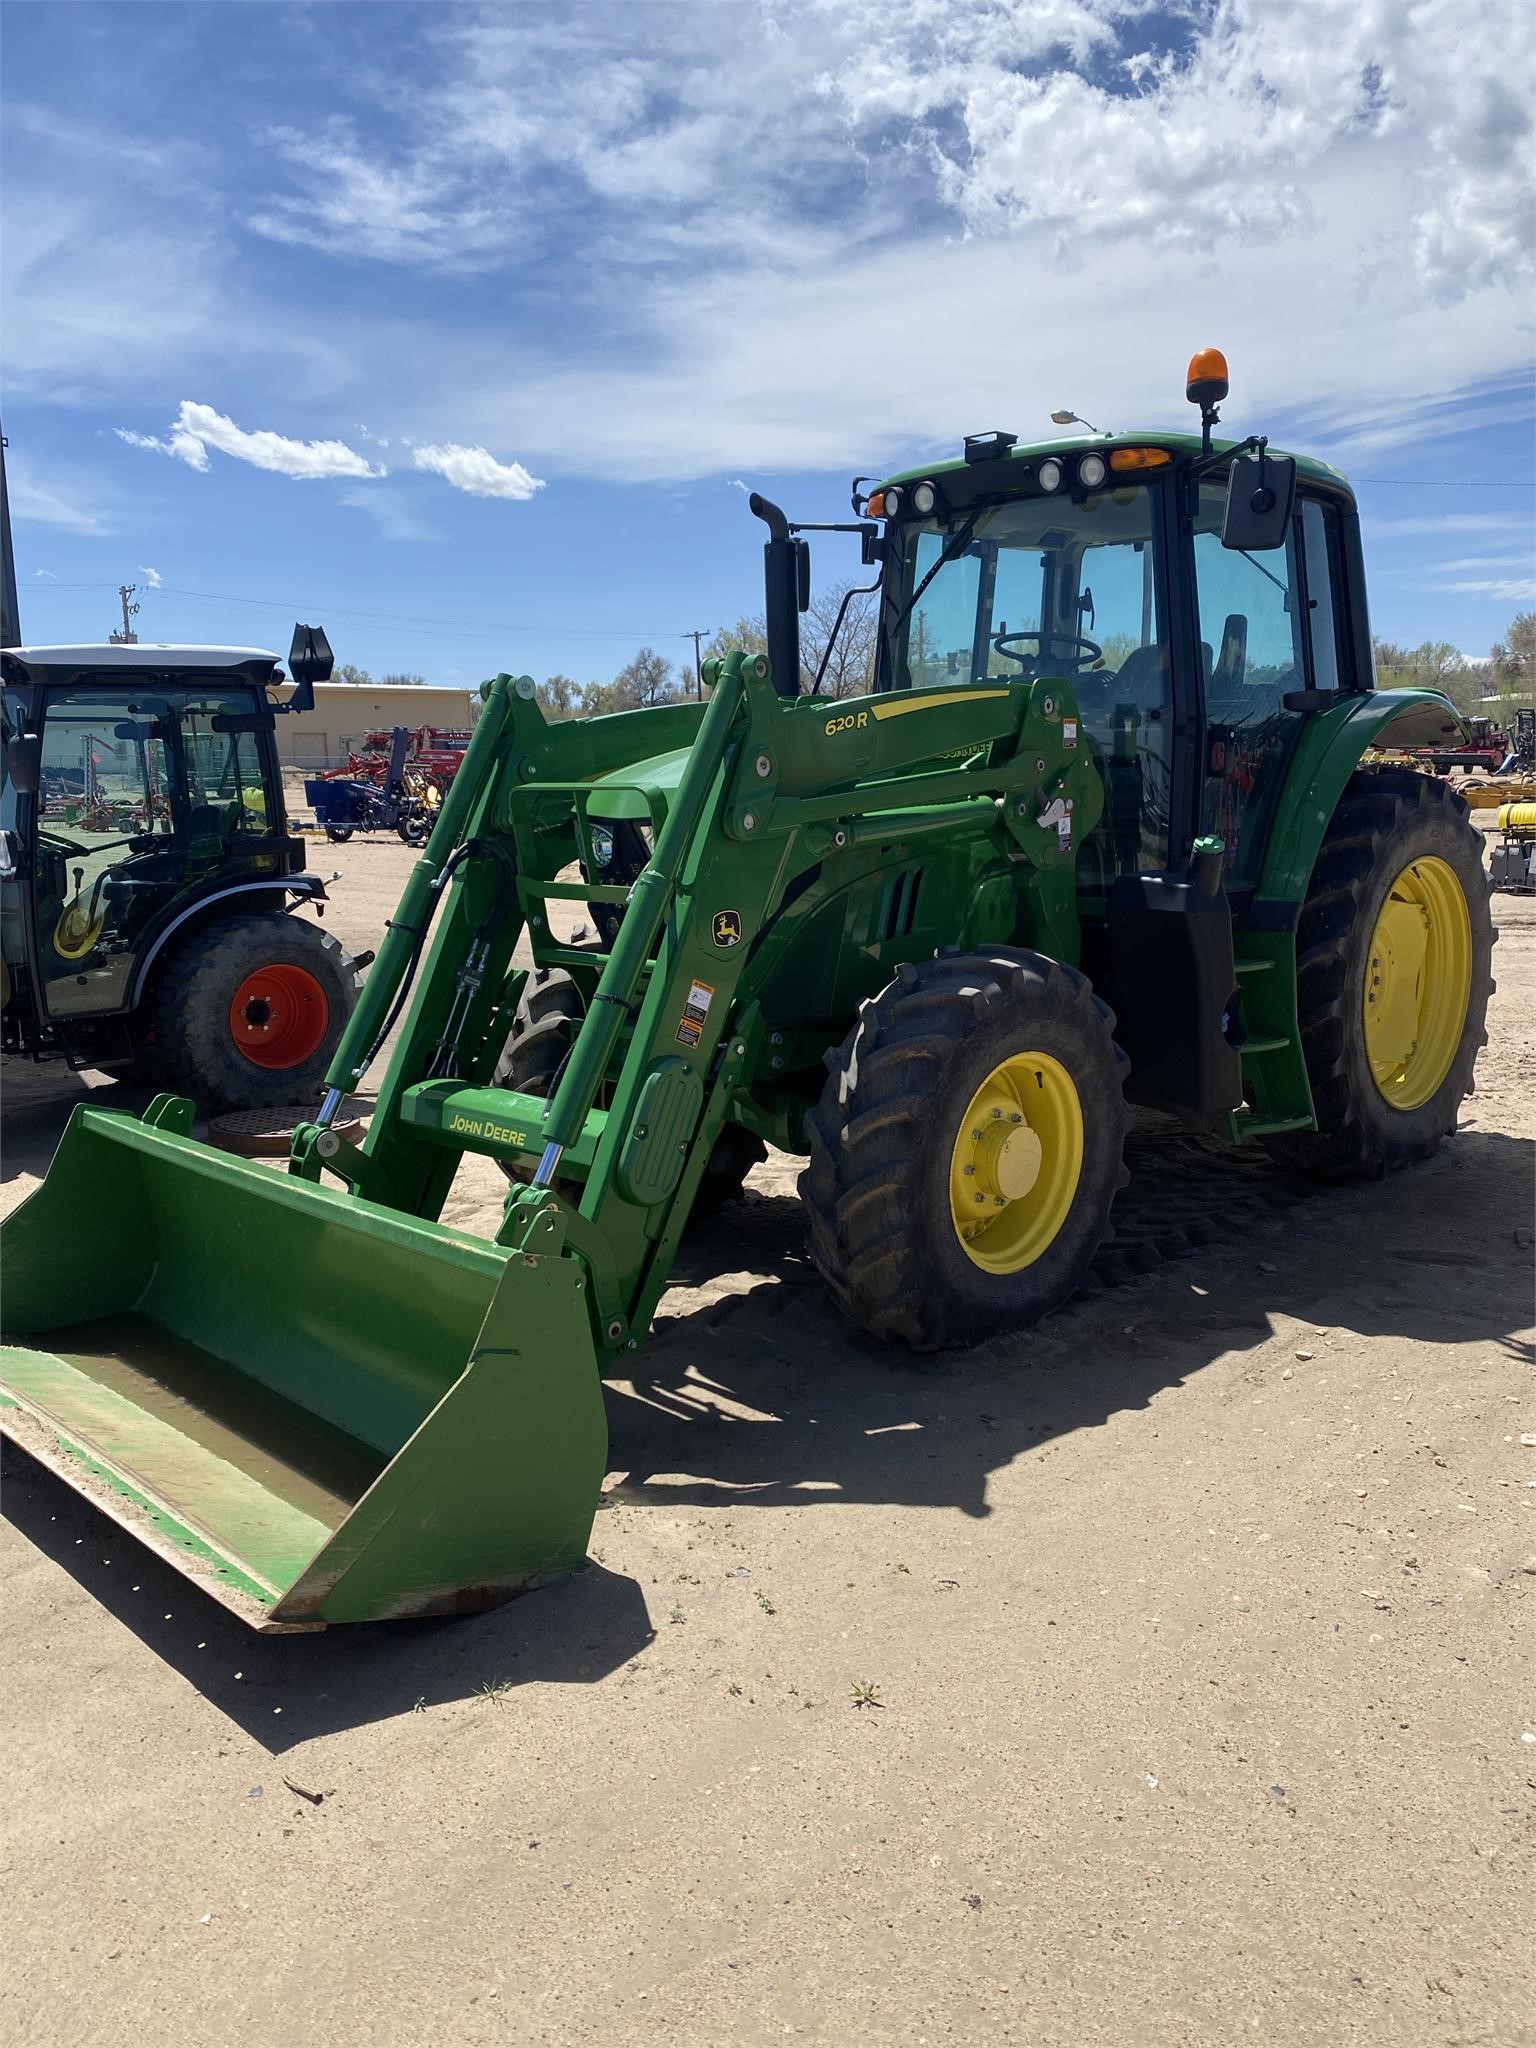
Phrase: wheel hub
(1016,1162)
(1008,1159)
(279,1016)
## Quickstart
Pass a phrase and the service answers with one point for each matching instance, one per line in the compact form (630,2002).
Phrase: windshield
(1037,586)
(1055,587)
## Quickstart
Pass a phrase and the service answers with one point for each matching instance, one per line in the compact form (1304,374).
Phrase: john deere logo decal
(727,927)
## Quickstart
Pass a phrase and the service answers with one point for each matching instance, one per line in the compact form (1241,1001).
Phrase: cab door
(1268,628)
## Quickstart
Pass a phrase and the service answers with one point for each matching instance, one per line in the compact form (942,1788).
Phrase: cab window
(1252,629)
(1056,586)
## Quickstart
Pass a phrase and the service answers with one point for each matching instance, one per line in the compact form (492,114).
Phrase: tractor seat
(1141,681)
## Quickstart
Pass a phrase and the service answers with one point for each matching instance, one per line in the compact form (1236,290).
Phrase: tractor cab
(1194,643)
(142,804)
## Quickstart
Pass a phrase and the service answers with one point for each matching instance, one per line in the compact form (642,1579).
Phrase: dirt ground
(1198,1619)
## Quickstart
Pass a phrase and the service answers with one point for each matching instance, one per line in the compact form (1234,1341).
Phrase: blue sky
(459,329)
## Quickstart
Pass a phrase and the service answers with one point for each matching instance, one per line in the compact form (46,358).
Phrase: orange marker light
(1205,381)
(1139,458)
(874,507)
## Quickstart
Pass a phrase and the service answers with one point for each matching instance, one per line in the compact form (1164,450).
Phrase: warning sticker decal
(690,1028)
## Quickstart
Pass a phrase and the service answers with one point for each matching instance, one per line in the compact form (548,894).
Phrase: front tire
(543,1032)
(248,1012)
(1393,956)
(967,1148)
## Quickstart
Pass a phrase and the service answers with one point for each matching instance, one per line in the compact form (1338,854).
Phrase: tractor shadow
(764,1396)
(759,1394)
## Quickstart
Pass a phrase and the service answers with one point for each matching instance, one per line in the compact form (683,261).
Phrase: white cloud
(418,212)
(660,134)
(45,576)
(151,577)
(1507,589)
(64,498)
(197,428)
(476,471)
(394,516)
(1456,522)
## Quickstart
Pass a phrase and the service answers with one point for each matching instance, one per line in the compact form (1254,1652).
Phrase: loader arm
(771,789)
(306,1391)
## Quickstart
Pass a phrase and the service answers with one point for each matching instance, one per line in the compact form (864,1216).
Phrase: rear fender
(1330,750)
(302,889)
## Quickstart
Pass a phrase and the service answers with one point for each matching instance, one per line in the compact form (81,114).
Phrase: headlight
(1048,475)
(1091,472)
(602,845)
(924,498)
(893,501)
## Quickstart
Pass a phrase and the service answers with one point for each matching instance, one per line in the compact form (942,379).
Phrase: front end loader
(1098,833)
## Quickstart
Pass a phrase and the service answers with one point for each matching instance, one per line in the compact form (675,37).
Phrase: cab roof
(1178,445)
(52,664)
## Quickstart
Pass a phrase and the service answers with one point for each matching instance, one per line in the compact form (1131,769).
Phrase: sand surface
(1199,1619)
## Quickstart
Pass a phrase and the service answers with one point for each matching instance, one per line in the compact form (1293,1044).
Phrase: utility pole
(127,637)
(698,663)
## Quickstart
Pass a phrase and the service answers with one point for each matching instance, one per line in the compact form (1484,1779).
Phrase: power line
(215,598)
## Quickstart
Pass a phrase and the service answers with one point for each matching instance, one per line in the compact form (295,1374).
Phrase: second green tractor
(1106,830)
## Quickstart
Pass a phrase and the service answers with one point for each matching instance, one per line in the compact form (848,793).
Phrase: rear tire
(313,989)
(891,1169)
(543,1031)
(1387,821)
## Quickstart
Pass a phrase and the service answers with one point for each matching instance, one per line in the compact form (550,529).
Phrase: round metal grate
(268,1133)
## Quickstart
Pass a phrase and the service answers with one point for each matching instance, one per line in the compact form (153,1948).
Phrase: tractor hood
(661,773)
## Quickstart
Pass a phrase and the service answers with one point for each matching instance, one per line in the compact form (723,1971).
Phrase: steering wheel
(1033,664)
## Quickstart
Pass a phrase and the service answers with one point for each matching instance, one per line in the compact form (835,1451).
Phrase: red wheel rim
(279,1016)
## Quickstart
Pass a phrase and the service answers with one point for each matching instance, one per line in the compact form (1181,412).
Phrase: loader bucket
(318,1409)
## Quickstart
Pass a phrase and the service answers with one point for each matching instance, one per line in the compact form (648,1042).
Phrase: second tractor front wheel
(967,1148)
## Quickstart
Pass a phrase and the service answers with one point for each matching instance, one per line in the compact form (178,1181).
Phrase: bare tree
(649,679)
(847,648)
(850,663)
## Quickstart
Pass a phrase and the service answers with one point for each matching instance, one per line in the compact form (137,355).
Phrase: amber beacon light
(1205,381)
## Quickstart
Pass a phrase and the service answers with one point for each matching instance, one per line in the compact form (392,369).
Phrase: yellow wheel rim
(1017,1159)
(1418,981)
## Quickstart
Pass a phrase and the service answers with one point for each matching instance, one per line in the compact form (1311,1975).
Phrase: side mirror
(803,574)
(24,763)
(1260,499)
(310,661)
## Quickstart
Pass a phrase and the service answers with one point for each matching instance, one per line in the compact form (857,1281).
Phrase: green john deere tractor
(1104,830)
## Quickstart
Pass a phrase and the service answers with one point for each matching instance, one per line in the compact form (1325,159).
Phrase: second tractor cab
(146,870)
